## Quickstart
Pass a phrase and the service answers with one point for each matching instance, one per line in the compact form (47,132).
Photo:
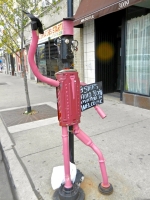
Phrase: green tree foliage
(13,20)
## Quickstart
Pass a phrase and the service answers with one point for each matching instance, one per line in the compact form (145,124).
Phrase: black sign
(91,95)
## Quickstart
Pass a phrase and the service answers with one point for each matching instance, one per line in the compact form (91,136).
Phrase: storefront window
(41,59)
(52,58)
(138,55)
(48,59)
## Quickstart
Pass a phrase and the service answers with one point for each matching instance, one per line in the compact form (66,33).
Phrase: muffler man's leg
(87,141)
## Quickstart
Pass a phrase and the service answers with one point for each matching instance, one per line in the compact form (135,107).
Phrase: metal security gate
(108,35)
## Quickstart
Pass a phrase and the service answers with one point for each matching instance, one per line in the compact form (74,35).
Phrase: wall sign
(123,4)
(52,32)
(91,95)
(87,18)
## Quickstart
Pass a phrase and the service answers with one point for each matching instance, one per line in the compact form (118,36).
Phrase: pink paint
(82,83)
(87,141)
(75,88)
(68,97)
(100,112)
(68,183)
(67,27)
(33,66)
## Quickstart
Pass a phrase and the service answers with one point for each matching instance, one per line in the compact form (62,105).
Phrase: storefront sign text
(123,4)
(52,32)
(87,18)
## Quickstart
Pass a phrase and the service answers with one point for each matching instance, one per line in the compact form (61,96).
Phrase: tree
(13,21)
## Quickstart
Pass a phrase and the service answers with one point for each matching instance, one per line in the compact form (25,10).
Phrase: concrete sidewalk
(33,148)
(5,189)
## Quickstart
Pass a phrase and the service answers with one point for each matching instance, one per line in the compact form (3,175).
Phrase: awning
(92,9)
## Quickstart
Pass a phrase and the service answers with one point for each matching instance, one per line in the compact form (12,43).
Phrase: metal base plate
(76,193)
(105,191)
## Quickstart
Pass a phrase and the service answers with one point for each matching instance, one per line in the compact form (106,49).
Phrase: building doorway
(108,51)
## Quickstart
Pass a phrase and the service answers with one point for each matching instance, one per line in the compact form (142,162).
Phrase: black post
(71,136)
(12,64)
(69,8)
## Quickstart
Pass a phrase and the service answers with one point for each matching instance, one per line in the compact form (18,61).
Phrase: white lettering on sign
(87,18)
(91,95)
(123,4)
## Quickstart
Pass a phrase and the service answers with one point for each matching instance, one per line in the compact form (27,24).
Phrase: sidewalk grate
(17,116)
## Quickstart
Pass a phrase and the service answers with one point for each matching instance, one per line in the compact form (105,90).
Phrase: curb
(19,181)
